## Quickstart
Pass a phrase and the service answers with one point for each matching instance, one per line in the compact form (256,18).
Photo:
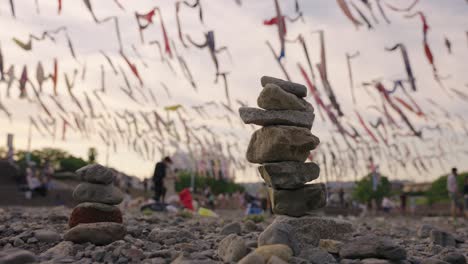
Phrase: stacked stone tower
(282,146)
(96,218)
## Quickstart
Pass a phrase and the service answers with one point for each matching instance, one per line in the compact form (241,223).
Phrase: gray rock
(16,256)
(375,261)
(18,242)
(281,143)
(442,238)
(317,256)
(290,87)
(252,258)
(162,235)
(288,174)
(433,261)
(62,249)
(298,202)
(424,231)
(231,228)
(261,117)
(47,236)
(97,193)
(372,247)
(232,248)
(297,260)
(454,258)
(250,226)
(96,173)
(303,232)
(273,97)
(97,233)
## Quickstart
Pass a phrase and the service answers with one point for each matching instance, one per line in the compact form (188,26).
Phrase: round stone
(96,233)
(96,173)
(97,193)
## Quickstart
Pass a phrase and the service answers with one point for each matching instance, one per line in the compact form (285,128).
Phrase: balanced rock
(232,248)
(288,174)
(290,87)
(97,233)
(273,97)
(281,143)
(304,232)
(97,193)
(372,247)
(298,202)
(94,213)
(261,117)
(96,173)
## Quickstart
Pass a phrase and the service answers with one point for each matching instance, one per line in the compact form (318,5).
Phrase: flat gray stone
(231,228)
(281,143)
(96,233)
(97,193)
(290,87)
(298,202)
(317,256)
(304,232)
(261,117)
(47,236)
(372,246)
(96,173)
(288,174)
(273,97)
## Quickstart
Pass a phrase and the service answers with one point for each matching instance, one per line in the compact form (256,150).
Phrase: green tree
(92,155)
(438,191)
(217,186)
(363,190)
(71,163)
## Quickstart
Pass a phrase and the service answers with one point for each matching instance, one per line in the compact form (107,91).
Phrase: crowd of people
(37,180)
(458,198)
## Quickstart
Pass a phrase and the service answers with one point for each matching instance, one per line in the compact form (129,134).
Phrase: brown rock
(288,174)
(84,215)
(281,143)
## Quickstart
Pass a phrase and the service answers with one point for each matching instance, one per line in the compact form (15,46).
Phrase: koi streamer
(344,7)
(148,20)
(197,4)
(409,71)
(349,57)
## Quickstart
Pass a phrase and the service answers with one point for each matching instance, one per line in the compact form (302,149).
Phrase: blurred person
(341,195)
(34,184)
(209,198)
(47,173)
(387,205)
(145,185)
(452,188)
(160,172)
(403,201)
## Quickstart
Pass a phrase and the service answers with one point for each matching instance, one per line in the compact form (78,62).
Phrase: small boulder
(276,260)
(252,258)
(317,256)
(282,251)
(273,97)
(89,214)
(47,236)
(16,256)
(454,258)
(288,174)
(261,117)
(232,248)
(97,193)
(231,228)
(298,202)
(424,231)
(442,238)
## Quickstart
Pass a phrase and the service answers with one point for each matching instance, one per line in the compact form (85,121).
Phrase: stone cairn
(96,218)
(283,144)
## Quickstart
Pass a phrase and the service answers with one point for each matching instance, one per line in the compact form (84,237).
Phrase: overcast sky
(240,28)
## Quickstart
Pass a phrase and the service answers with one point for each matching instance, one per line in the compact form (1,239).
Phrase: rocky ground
(36,234)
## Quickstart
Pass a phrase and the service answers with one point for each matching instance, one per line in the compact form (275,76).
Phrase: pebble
(47,236)
(442,238)
(330,245)
(16,256)
(252,258)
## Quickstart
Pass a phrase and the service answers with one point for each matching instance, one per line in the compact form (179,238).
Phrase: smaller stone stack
(283,145)
(96,218)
